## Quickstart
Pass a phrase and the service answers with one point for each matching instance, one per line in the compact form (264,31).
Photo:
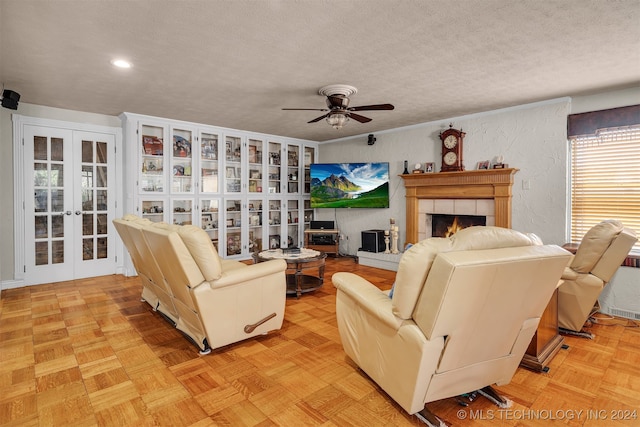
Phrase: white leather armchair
(463,312)
(216,302)
(601,251)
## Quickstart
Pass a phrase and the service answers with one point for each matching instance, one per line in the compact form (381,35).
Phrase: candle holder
(386,242)
(394,240)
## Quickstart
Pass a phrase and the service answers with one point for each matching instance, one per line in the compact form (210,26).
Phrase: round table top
(279,254)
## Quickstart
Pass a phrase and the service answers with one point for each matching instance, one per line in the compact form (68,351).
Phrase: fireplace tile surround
(429,207)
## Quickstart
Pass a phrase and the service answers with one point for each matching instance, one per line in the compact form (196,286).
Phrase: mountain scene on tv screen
(352,185)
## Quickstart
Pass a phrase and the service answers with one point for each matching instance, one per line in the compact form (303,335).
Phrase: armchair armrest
(368,296)
(253,271)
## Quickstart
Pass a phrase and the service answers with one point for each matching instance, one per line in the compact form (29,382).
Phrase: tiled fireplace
(446,225)
(476,193)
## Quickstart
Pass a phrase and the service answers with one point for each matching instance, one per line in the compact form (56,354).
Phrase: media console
(322,240)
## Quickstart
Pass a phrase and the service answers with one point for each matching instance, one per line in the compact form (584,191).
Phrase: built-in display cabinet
(248,191)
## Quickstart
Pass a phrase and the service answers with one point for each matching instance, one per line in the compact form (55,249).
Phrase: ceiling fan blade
(317,119)
(359,118)
(306,109)
(372,107)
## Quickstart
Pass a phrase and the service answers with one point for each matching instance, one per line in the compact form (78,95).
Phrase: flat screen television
(350,185)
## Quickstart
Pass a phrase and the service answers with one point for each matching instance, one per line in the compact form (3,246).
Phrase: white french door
(69,180)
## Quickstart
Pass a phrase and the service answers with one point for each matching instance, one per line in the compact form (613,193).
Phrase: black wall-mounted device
(10,99)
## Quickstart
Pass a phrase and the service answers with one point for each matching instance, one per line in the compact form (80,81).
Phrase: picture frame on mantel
(484,164)
(429,167)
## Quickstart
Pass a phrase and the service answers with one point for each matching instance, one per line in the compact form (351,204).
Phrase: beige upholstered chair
(602,250)
(155,290)
(214,302)
(461,317)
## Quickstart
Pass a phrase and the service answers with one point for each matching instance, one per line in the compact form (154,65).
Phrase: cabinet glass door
(233,223)
(308,213)
(209,215)
(274,168)
(275,207)
(293,224)
(181,161)
(254,157)
(209,164)
(255,226)
(152,147)
(233,164)
(153,210)
(182,211)
(309,158)
(293,178)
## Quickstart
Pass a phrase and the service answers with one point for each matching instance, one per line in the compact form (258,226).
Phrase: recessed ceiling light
(121,63)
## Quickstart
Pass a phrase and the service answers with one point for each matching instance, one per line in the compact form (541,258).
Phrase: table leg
(298,280)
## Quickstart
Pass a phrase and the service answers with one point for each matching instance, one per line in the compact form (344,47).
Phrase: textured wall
(531,138)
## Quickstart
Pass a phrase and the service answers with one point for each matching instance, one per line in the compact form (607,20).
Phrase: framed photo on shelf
(231,172)
(252,154)
(429,167)
(484,164)
(230,222)
(274,241)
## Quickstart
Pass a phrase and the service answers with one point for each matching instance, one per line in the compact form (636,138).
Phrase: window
(605,173)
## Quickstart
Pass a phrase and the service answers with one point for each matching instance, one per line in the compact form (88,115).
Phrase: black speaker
(371,139)
(373,241)
(10,99)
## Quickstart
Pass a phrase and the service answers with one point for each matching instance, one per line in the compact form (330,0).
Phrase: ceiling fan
(338,108)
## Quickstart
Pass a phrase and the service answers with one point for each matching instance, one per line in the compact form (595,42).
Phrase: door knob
(78,212)
(65,213)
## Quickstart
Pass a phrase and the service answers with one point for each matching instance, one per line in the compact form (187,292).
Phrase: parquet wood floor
(89,353)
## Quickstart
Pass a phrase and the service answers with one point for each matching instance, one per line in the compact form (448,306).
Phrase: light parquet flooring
(90,353)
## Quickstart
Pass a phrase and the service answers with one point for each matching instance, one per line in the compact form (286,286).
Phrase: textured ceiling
(237,63)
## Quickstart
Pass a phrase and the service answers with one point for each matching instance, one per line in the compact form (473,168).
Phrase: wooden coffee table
(299,279)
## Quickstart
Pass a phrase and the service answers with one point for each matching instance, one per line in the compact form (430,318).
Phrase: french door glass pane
(57,200)
(57,145)
(87,151)
(101,152)
(57,252)
(57,175)
(87,224)
(101,200)
(42,253)
(40,148)
(40,175)
(101,247)
(41,226)
(87,249)
(57,226)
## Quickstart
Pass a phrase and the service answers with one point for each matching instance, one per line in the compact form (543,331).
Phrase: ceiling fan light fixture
(337,120)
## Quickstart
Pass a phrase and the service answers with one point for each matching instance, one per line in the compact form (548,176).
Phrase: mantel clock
(452,150)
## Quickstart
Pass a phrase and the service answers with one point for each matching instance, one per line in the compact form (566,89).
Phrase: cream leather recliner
(463,312)
(214,302)
(601,251)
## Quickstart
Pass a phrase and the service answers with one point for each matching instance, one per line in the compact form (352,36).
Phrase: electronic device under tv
(373,241)
(350,185)
(322,225)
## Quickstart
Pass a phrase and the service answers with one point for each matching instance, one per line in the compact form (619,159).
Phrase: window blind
(605,179)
